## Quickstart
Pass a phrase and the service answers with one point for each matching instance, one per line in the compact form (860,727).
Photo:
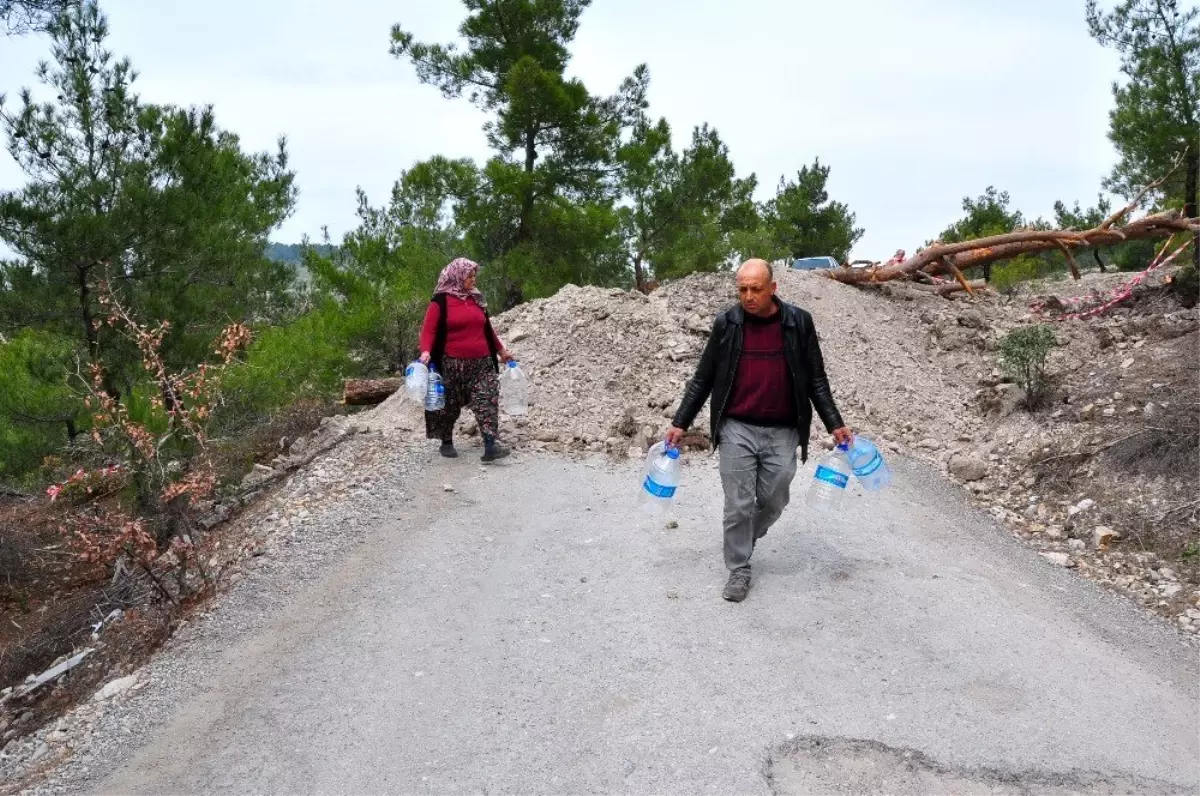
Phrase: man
(764,370)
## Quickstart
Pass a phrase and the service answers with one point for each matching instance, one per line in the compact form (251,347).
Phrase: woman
(458,339)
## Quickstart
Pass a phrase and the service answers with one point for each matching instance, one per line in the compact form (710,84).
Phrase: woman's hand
(424,358)
(505,356)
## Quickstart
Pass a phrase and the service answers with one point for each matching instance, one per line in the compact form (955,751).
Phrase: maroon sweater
(762,391)
(466,330)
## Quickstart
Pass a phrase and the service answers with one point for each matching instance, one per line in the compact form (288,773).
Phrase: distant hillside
(292,254)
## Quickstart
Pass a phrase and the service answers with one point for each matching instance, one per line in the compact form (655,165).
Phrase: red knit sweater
(466,331)
(762,392)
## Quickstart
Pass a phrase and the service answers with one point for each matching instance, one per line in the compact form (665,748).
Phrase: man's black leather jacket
(715,372)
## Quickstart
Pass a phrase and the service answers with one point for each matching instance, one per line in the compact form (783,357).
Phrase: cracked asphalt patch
(832,766)
(530,632)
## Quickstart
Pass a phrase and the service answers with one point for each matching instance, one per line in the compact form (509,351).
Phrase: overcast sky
(914,104)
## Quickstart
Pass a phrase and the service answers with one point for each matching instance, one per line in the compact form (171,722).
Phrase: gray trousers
(757,468)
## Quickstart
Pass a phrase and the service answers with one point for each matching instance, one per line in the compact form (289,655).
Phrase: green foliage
(1079,218)
(803,222)
(293,253)
(155,198)
(307,358)
(1186,286)
(1023,356)
(39,412)
(1006,276)
(1134,255)
(649,169)
(587,189)
(545,212)
(686,213)
(989,214)
(1156,113)
(155,202)
(18,17)
(1191,552)
(369,293)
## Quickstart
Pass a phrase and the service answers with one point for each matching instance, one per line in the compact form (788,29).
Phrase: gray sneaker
(738,587)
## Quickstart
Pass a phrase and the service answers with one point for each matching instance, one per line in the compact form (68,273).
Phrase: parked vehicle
(815,263)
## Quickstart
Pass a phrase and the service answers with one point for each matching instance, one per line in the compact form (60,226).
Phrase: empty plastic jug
(416,380)
(661,477)
(435,395)
(868,465)
(514,390)
(828,489)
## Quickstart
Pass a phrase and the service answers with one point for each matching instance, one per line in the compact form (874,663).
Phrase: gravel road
(530,632)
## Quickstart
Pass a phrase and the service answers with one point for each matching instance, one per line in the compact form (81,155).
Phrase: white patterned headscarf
(453,281)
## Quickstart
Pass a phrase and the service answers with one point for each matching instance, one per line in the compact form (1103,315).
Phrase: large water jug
(828,489)
(868,465)
(416,381)
(435,395)
(514,390)
(661,476)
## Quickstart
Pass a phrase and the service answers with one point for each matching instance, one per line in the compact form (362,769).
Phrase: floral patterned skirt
(470,383)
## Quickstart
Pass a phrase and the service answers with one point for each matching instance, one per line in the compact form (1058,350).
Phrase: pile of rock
(608,366)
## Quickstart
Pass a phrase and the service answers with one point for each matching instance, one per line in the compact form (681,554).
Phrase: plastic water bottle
(514,390)
(868,465)
(661,477)
(416,380)
(828,489)
(435,395)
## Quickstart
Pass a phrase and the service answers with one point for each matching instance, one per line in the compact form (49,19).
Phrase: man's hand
(674,436)
(843,436)
(424,358)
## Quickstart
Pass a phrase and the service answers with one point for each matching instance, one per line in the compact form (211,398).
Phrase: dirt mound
(609,365)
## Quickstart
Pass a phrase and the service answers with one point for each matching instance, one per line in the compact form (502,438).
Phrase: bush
(305,359)
(39,411)
(1023,355)
(249,438)
(1134,255)
(1186,286)
(1007,276)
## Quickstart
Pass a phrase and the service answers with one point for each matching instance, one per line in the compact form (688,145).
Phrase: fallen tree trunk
(947,288)
(954,258)
(367,392)
(982,251)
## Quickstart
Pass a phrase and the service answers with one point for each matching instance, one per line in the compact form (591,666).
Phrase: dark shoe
(738,587)
(493,452)
(448,450)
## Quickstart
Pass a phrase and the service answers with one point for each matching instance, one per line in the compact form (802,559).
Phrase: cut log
(367,392)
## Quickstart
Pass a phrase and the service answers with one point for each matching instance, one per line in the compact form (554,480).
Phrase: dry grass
(247,441)
(50,599)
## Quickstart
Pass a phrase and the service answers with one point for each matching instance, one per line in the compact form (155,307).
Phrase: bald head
(759,269)
(756,287)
